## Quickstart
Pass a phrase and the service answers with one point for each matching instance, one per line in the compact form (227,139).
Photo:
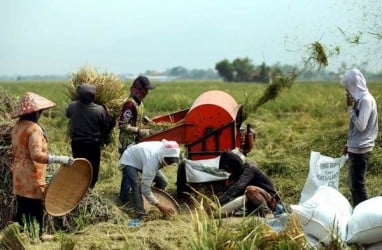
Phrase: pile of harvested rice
(92,209)
(7,202)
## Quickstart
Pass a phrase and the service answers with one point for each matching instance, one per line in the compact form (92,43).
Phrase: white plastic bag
(323,170)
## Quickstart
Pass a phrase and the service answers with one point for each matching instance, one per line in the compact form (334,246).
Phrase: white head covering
(355,83)
(171,149)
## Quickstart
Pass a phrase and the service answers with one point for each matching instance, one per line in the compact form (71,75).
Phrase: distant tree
(179,71)
(225,70)
(263,73)
(202,74)
(243,69)
(150,72)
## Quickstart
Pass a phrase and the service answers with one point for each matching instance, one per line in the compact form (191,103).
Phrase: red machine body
(210,126)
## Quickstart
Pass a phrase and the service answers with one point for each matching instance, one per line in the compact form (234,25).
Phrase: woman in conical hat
(30,158)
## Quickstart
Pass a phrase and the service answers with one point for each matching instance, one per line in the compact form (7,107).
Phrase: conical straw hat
(30,103)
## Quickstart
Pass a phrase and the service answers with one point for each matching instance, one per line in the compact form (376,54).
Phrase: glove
(64,160)
(143,132)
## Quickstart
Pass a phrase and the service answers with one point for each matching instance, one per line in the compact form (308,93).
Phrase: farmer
(130,123)
(88,122)
(363,130)
(148,158)
(248,179)
(30,158)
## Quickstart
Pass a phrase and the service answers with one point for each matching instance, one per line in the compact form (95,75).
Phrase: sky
(40,37)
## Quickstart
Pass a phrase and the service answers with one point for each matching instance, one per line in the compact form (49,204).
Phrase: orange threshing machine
(212,124)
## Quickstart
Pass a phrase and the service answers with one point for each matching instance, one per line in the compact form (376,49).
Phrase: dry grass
(7,201)
(109,88)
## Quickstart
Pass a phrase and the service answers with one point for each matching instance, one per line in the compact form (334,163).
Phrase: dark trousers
(130,175)
(356,176)
(90,151)
(29,209)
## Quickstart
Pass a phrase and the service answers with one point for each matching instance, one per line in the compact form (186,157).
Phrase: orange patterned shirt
(30,157)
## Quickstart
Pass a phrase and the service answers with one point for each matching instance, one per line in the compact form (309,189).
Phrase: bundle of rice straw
(11,238)
(109,88)
(7,202)
(270,93)
(318,54)
(109,91)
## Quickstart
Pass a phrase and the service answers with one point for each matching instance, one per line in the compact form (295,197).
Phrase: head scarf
(170,150)
(230,162)
(355,83)
(86,93)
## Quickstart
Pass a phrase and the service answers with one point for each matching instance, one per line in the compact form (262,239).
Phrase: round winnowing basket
(163,198)
(67,188)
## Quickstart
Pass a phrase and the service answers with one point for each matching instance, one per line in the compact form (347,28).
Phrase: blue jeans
(130,176)
(160,182)
(125,188)
(356,177)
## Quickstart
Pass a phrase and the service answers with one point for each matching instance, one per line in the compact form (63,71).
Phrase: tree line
(244,70)
(237,70)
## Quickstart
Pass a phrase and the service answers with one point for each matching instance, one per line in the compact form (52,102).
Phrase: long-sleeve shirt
(363,125)
(88,121)
(30,157)
(249,175)
(131,116)
(146,157)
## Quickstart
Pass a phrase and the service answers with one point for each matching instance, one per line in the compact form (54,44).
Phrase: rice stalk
(93,208)
(7,201)
(67,243)
(32,228)
(8,103)
(109,88)
(270,93)
(11,238)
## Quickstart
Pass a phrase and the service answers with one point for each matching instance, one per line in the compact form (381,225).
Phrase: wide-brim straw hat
(68,187)
(31,102)
(163,198)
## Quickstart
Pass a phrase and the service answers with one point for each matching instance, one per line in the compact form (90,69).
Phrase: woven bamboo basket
(163,198)
(68,187)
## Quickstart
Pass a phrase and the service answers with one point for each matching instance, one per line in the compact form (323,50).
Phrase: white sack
(365,224)
(375,246)
(200,171)
(323,170)
(325,214)
(230,207)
